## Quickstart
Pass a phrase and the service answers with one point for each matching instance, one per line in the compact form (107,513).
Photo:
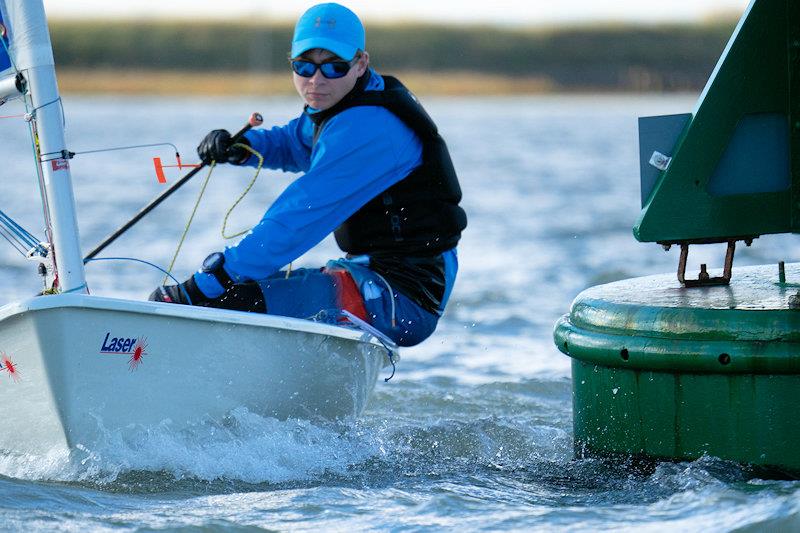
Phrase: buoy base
(665,372)
(681,416)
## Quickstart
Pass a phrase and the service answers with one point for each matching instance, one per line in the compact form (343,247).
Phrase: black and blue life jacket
(405,229)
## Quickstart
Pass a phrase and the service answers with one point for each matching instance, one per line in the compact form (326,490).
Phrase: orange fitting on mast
(159,170)
(157,163)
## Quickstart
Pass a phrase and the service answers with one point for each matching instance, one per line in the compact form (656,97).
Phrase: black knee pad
(242,297)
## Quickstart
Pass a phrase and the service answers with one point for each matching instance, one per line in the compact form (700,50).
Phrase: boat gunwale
(205,314)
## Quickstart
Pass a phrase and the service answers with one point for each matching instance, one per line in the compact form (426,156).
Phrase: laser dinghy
(75,365)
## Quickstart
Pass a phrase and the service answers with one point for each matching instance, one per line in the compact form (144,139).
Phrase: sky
(502,12)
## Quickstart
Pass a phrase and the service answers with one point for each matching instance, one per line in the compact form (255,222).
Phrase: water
(474,432)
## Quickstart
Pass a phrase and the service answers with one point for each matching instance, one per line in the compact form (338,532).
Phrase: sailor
(376,173)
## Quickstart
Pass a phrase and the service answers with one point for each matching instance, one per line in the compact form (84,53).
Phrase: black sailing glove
(187,293)
(243,297)
(219,146)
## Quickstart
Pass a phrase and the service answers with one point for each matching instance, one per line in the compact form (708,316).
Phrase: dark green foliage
(661,57)
(170,46)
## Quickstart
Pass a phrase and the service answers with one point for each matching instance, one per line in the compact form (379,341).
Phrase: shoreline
(170,82)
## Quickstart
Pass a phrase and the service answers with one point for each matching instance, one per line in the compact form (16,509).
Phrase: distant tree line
(666,57)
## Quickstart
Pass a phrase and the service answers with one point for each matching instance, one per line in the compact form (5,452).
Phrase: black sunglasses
(332,70)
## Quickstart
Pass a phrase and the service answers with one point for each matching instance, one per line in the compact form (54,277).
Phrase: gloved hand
(242,297)
(218,146)
(177,294)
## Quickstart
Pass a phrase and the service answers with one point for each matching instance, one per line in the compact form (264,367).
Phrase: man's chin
(320,104)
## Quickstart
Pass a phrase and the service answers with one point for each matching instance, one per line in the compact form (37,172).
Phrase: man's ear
(363,64)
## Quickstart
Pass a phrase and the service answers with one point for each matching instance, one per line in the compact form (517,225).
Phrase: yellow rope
(189,223)
(244,193)
(225,220)
(246,190)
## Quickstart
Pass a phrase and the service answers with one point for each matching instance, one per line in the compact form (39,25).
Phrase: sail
(25,36)
(5,40)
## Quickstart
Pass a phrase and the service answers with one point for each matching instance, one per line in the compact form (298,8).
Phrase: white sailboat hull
(82,365)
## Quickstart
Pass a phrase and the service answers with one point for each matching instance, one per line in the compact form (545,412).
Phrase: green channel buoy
(669,372)
(671,369)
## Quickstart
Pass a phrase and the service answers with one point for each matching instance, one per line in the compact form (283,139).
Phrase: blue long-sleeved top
(361,152)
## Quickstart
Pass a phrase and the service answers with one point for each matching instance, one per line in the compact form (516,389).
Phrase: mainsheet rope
(244,193)
(227,215)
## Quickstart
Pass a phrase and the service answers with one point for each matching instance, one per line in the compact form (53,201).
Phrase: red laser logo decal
(135,347)
(7,365)
(138,352)
(59,164)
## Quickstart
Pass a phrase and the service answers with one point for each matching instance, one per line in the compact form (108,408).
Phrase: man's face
(320,92)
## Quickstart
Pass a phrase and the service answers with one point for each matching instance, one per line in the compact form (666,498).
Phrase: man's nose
(317,78)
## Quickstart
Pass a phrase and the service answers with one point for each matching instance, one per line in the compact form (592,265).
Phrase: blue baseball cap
(330,26)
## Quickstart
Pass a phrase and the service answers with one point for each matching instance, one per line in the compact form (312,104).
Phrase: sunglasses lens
(332,70)
(335,69)
(305,69)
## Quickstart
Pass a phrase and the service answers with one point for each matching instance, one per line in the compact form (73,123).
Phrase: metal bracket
(703,279)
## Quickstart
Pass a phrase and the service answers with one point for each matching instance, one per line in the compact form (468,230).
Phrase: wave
(247,449)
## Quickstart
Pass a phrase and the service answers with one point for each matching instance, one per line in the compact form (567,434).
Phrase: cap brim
(345,51)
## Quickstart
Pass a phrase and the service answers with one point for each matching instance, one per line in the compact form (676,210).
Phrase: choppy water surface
(474,432)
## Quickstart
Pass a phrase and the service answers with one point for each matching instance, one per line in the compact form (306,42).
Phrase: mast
(33,55)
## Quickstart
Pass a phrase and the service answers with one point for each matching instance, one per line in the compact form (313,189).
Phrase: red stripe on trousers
(347,294)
